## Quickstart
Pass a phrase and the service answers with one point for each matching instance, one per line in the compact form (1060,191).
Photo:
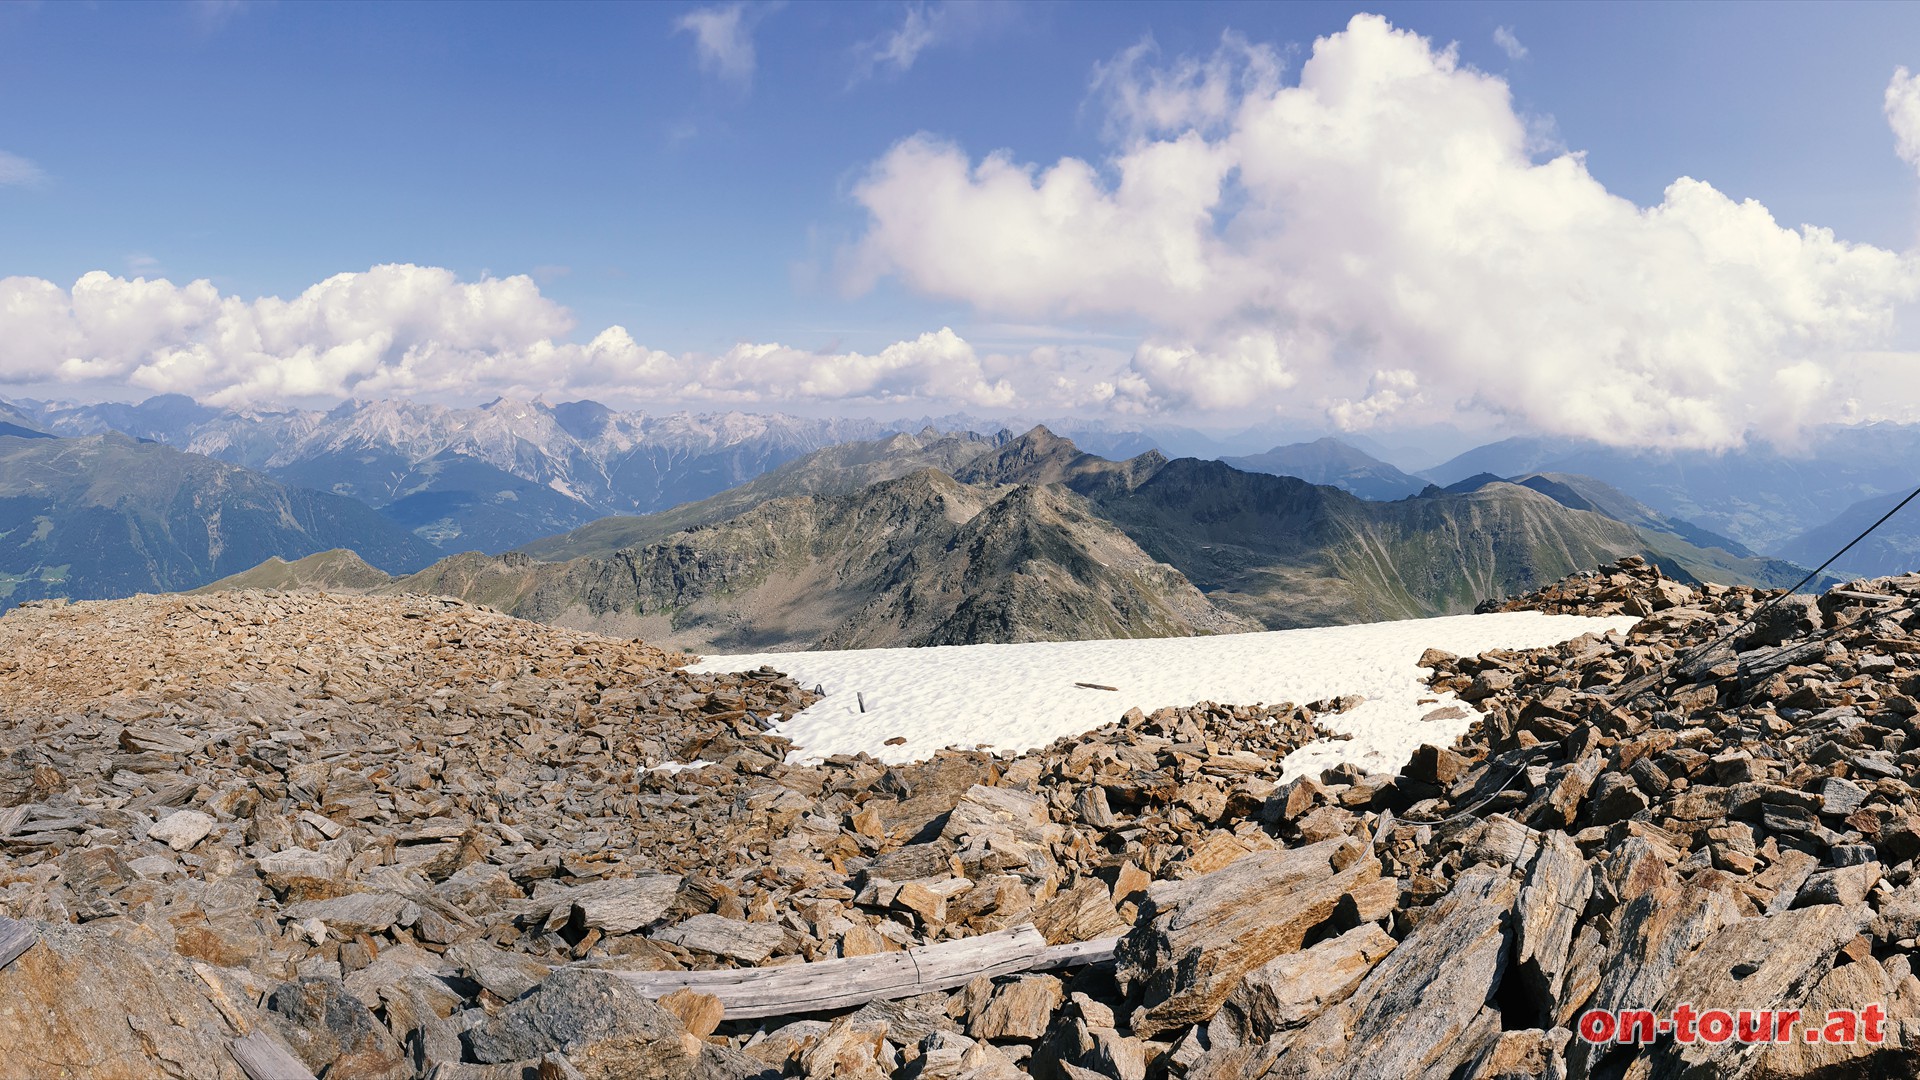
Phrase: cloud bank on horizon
(1380,241)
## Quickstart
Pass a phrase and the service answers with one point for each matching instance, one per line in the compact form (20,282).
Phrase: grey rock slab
(1289,991)
(1546,915)
(603,1026)
(1194,941)
(507,975)
(1426,1008)
(733,938)
(625,905)
(1656,933)
(354,913)
(1770,962)
(332,1032)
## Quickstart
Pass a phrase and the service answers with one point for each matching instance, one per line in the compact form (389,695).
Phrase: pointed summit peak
(1037,457)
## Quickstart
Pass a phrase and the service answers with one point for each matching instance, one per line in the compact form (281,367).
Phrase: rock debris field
(409,837)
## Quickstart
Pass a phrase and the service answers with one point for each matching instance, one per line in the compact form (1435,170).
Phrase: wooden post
(15,938)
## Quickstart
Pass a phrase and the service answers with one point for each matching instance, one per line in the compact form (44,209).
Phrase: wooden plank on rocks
(15,938)
(839,984)
(263,1059)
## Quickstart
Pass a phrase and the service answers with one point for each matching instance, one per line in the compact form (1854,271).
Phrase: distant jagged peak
(518,406)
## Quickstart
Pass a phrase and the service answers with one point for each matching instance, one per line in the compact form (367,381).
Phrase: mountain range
(944,539)
(1764,496)
(1337,464)
(511,473)
(108,515)
(486,478)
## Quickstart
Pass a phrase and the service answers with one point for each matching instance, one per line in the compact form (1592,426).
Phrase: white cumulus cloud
(723,40)
(402,330)
(1383,225)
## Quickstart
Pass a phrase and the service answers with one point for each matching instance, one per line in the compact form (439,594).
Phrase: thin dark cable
(1690,657)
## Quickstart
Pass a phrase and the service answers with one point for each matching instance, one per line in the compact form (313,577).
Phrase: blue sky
(702,200)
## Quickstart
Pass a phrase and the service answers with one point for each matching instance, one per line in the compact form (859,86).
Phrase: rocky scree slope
(1746,836)
(466,906)
(409,837)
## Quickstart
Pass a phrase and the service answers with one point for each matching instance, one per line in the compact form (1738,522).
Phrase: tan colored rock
(1082,913)
(1425,1006)
(701,1013)
(1856,987)
(1545,918)
(1019,1009)
(1289,991)
(81,1004)
(1196,939)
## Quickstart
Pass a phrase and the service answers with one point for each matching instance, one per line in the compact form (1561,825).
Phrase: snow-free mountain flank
(1029,538)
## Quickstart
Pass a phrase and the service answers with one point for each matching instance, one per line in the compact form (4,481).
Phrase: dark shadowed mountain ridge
(109,515)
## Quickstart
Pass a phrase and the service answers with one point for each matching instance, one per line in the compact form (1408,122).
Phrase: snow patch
(1017,697)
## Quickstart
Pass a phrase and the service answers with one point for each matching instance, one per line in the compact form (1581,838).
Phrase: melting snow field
(1017,697)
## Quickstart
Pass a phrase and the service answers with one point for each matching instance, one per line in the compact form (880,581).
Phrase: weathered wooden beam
(826,985)
(15,938)
(263,1059)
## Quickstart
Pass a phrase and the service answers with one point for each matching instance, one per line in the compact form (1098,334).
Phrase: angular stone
(354,913)
(1435,765)
(81,1003)
(1289,991)
(699,1013)
(1082,913)
(1657,931)
(1760,963)
(181,829)
(506,975)
(1196,939)
(332,1032)
(1003,829)
(1846,885)
(605,1027)
(299,874)
(734,938)
(1423,1009)
(626,904)
(1856,987)
(1545,917)
(1020,1009)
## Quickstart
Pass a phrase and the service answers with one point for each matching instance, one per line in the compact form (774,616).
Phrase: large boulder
(606,1029)
(81,1004)
(1196,939)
